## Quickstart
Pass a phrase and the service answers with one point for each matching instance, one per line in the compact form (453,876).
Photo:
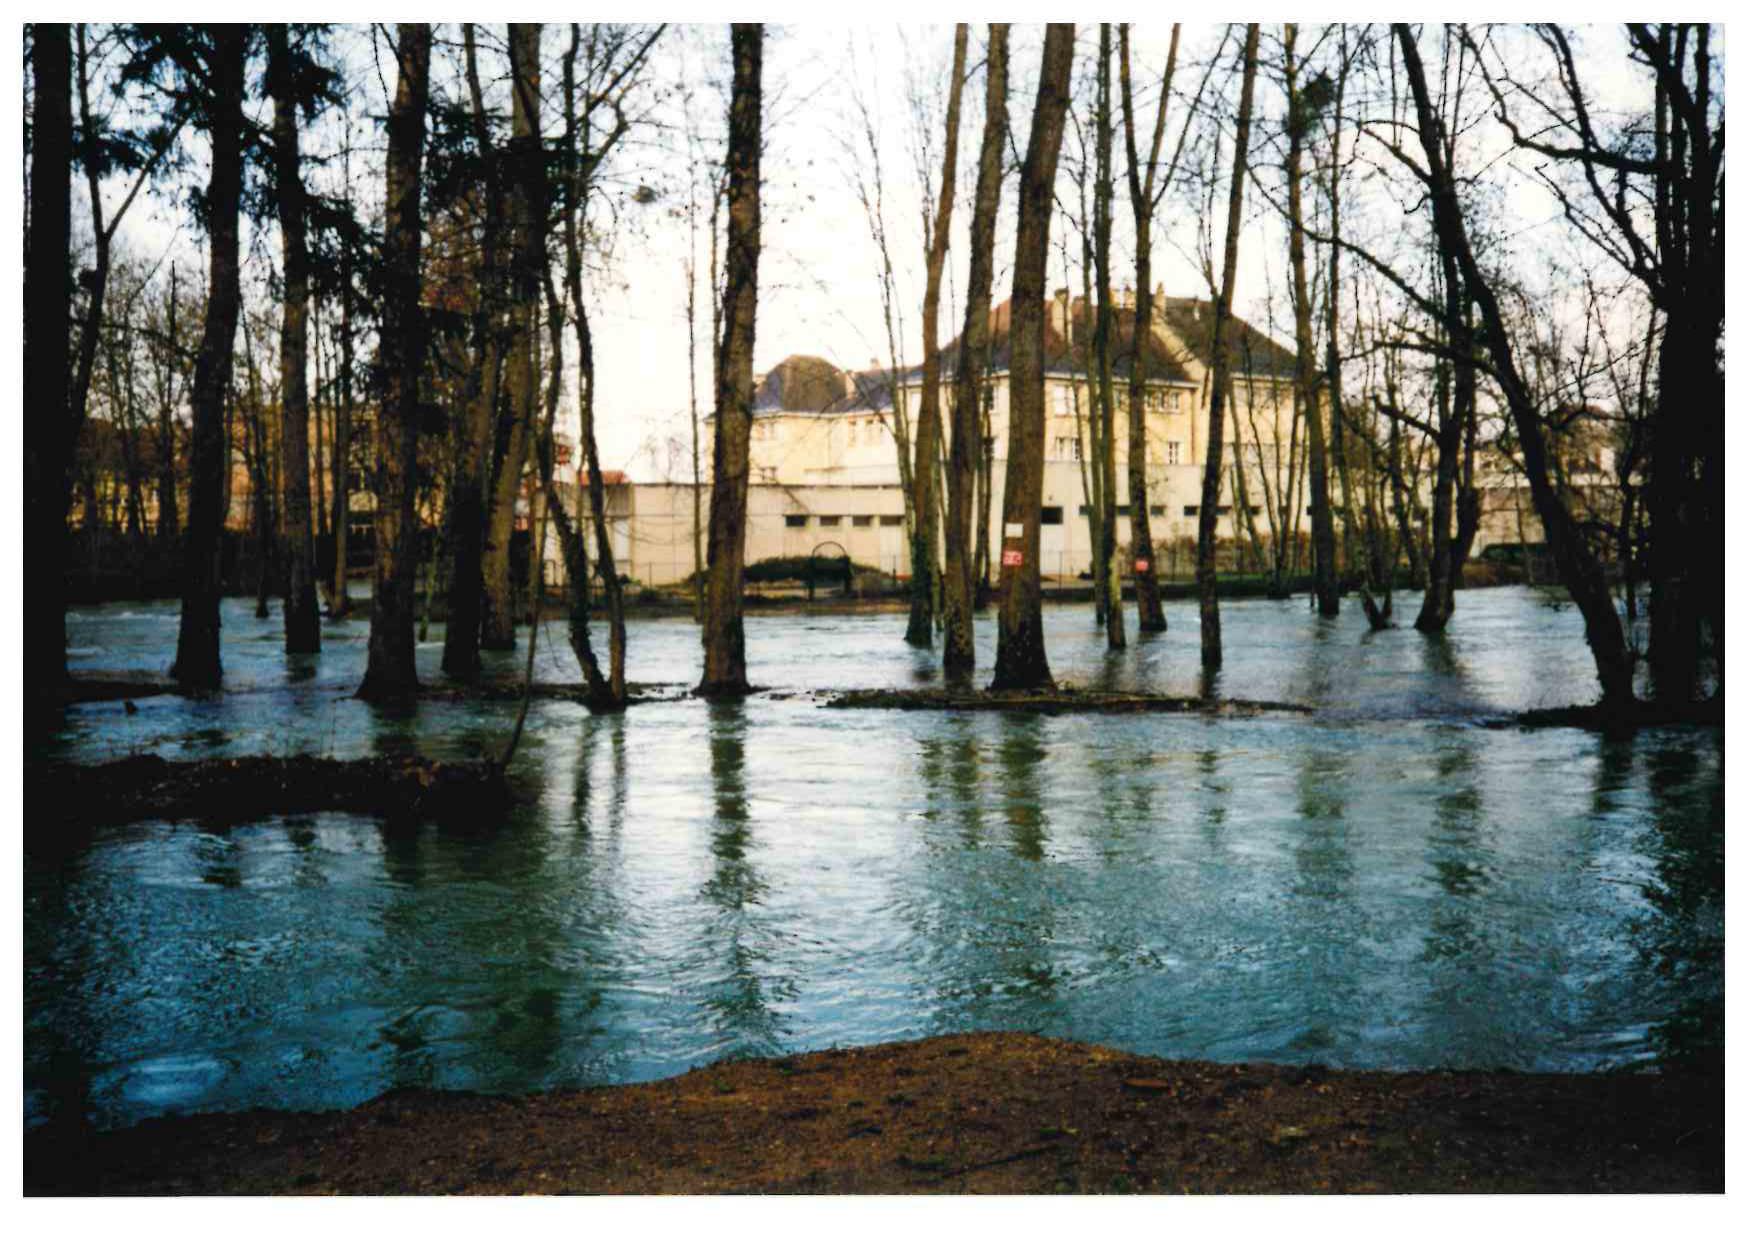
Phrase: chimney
(1126,298)
(1059,312)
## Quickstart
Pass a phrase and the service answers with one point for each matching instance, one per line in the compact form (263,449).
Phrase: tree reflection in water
(743,997)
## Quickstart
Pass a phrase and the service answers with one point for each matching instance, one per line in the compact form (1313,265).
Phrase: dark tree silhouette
(390,672)
(724,636)
(1020,658)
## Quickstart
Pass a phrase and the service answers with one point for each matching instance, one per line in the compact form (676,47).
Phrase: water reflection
(1458,854)
(1683,939)
(741,999)
(1323,875)
(1020,755)
(1380,885)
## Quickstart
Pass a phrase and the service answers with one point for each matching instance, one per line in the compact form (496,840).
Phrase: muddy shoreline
(970,1113)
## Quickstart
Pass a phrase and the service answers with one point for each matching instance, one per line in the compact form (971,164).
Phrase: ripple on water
(1380,884)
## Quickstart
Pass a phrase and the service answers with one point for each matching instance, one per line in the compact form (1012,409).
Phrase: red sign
(1012,557)
(1141,566)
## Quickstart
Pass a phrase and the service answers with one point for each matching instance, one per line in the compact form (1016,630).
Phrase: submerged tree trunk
(340,603)
(169,530)
(497,629)
(303,632)
(1450,499)
(577,186)
(1020,660)
(1579,569)
(1149,611)
(959,653)
(48,444)
(1106,409)
(725,659)
(1299,117)
(197,638)
(923,543)
(1206,577)
(256,450)
(476,441)
(390,672)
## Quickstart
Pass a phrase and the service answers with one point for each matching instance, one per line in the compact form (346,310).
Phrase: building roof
(1253,351)
(1188,318)
(804,384)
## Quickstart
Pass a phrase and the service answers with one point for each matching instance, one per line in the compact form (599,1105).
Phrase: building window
(1175,402)
(1156,510)
(1050,516)
(1064,399)
(1223,510)
(1122,510)
(796,521)
(1066,448)
(891,518)
(861,522)
(1172,449)
(831,520)
(1191,510)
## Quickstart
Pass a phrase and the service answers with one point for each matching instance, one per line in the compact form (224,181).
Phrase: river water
(1384,883)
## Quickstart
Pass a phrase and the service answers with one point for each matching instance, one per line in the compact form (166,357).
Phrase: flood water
(1384,883)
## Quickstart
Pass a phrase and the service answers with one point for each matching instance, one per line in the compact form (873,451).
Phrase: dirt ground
(982,1113)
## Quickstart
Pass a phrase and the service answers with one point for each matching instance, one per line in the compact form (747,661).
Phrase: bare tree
(1578,567)
(339,601)
(303,633)
(197,639)
(959,653)
(521,379)
(475,430)
(725,664)
(1302,108)
(613,60)
(1146,189)
(1212,654)
(390,672)
(1020,659)
(923,545)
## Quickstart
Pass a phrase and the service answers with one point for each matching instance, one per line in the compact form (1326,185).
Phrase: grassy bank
(979,1113)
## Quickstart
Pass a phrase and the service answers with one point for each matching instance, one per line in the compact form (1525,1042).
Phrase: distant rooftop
(802,383)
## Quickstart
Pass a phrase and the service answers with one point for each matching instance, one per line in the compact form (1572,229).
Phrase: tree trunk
(1206,576)
(477,436)
(303,631)
(48,443)
(1324,580)
(390,672)
(169,525)
(527,211)
(1579,569)
(924,536)
(1020,660)
(1106,409)
(960,652)
(340,604)
(578,186)
(197,639)
(1149,610)
(725,660)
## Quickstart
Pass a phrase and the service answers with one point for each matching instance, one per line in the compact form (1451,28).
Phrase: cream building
(825,466)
